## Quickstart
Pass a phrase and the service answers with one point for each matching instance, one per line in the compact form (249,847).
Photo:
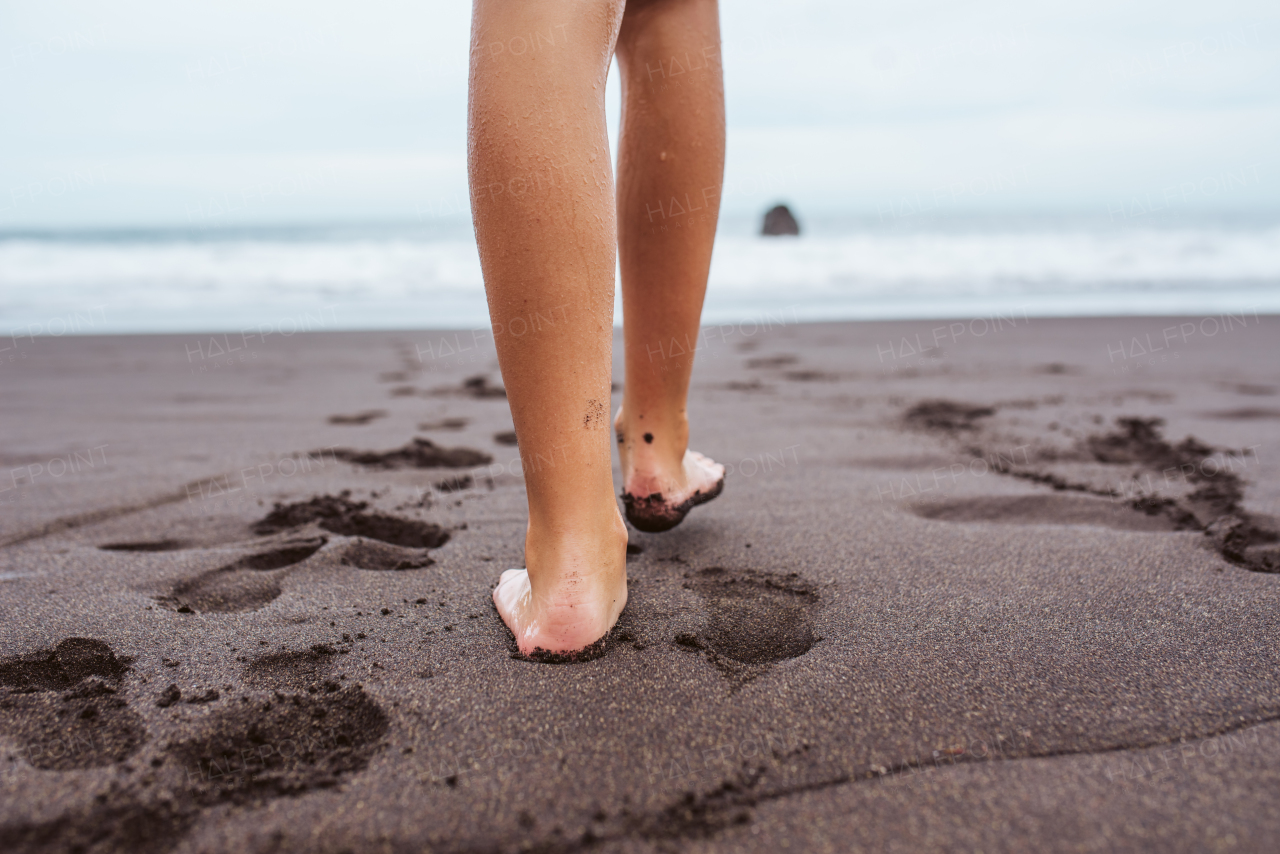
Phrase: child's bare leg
(542,198)
(670,168)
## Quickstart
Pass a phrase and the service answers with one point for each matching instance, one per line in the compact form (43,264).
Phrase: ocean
(427,274)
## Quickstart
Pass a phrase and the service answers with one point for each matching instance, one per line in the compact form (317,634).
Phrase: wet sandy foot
(567,623)
(655,504)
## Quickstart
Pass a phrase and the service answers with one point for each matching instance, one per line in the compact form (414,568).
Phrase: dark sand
(976,599)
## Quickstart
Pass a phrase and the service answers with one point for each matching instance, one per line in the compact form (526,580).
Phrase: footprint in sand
(340,515)
(1247,413)
(807,376)
(756,620)
(155,546)
(1212,501)
(245,584)
(295,730)
(64,706)
(367,554)
(420,453)
(299,731)
(382,542)
(301,670)
(359,418)
(1045,510)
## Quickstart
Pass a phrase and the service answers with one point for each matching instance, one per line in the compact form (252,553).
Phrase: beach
(995,583)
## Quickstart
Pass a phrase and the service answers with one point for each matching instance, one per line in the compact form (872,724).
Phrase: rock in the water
(780,221)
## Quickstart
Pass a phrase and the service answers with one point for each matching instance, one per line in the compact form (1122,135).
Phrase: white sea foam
(400,279)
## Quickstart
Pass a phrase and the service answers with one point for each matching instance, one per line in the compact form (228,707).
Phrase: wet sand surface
(1005,591)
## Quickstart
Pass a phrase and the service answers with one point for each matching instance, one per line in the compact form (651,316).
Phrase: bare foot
(569,598)
(662,479)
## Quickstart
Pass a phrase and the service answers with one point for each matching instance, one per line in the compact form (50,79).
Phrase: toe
(713,468)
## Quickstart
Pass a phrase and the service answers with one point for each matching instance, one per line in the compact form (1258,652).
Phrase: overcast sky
(142,112)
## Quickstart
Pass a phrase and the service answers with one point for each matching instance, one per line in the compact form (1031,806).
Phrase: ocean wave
(399,280)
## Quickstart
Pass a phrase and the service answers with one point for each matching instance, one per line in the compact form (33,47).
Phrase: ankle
(652,441)
(587,552)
